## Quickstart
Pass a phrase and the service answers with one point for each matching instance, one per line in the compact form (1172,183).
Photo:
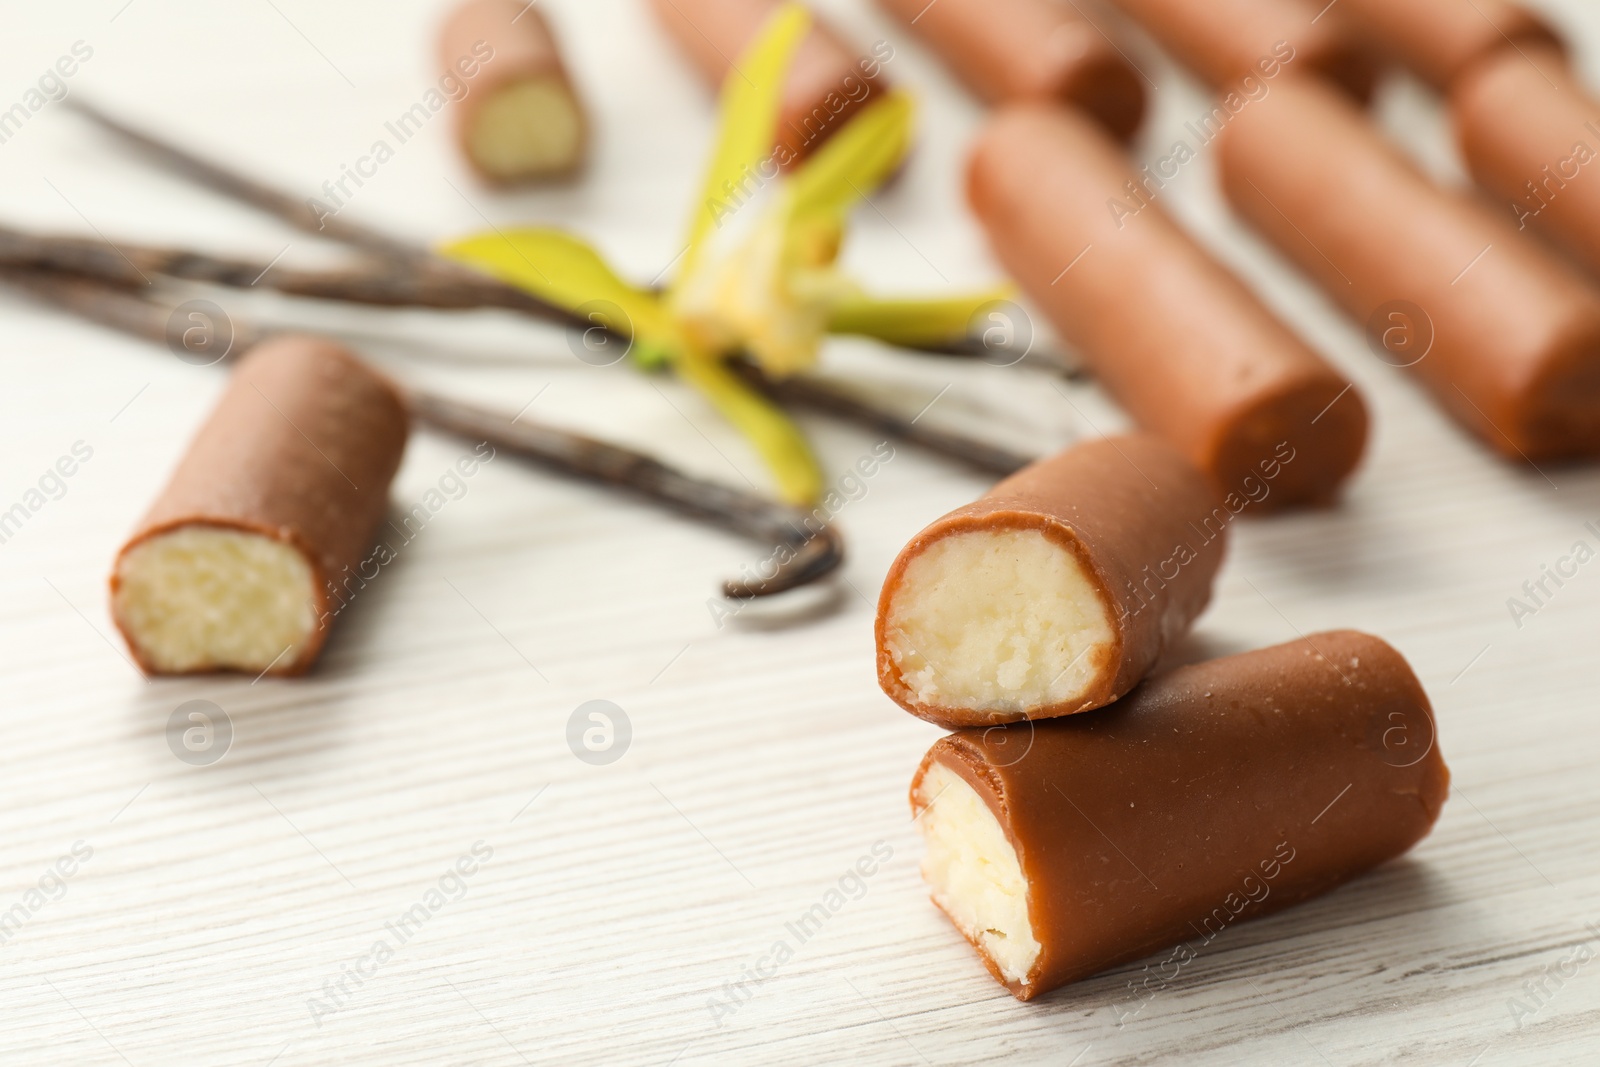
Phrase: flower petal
(772,433)
(751,94)
(913,322)
(571,274)
(855,160)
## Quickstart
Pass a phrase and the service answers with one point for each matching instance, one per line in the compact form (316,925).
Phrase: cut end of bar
(997,623)
(974,872)
(528,130)
(202,598)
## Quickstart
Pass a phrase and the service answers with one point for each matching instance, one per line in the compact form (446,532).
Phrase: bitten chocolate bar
(1442,39)
(1031,50)
(1503,332)
(1211,795)
(1056,591)
(280,492)
(520,119)
(1224,41)
(1177,339)
(828,80)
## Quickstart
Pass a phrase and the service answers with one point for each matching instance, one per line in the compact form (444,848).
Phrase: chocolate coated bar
(1031,50)
(1056,591)
(1530,134)
(236,564)
(1505,334)
(1211,795)
(1177,339)
(1442,39)
(1224,41)
(520,119)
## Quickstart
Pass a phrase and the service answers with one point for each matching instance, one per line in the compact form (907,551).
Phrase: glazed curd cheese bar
(1056,591)
(1442,39)
(1224,41)
(1210,795)
(235,565)
(1031,50)
(1529,132)
(521,119)
(1177,339)
(1504,332)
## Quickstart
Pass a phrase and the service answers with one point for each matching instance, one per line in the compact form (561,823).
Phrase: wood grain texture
(619,900)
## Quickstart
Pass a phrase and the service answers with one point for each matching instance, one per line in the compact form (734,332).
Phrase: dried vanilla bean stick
(236,186)
(129,264)
(132,264)
(976,348)
(801,553)
(412,277)
(400,256)
(92,299)
(814,393)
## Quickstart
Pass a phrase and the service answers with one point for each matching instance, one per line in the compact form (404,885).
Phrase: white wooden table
(212,911)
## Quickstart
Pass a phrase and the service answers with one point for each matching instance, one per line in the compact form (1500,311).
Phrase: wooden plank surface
(613,913)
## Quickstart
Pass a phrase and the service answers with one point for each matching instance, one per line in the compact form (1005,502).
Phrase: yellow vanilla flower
(772,297)
(774,293)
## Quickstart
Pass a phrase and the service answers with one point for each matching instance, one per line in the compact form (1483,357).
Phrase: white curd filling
(1003,620)
(207,597)
(974,872)
(527,130)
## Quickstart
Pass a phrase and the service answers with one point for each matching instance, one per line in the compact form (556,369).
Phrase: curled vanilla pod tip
(802,551)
